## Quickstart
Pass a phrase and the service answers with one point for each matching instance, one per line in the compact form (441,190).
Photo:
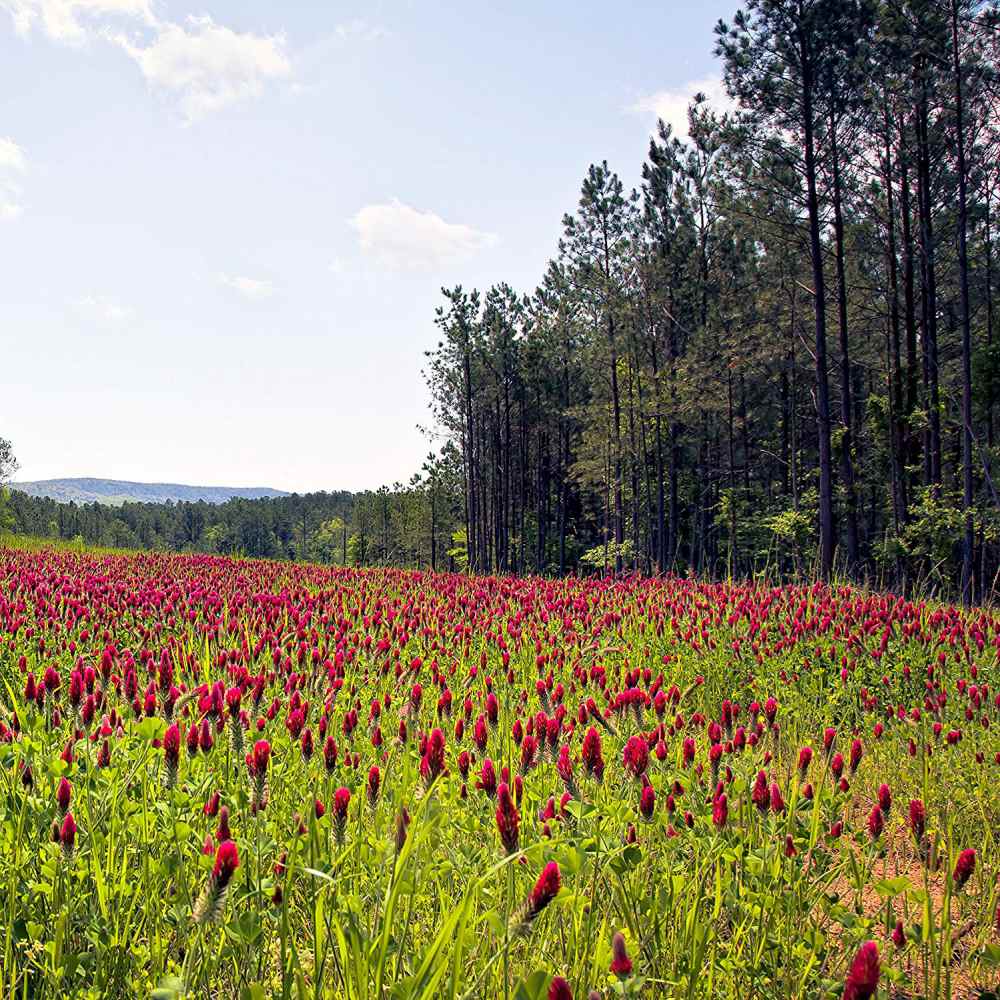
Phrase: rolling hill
(115,492)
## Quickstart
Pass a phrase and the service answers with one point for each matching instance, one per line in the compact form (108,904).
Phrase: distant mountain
(115,492)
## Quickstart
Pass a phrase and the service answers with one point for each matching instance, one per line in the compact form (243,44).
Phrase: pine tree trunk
(826,527)
(968,539)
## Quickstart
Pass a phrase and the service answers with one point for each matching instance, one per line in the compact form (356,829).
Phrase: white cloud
(204,65)
(207,65)
(105,309)
(672,105)
(71,21)
(404,237)
(255,289)
(12,160)
(12,156)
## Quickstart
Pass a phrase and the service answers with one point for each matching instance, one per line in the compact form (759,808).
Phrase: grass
(766,904)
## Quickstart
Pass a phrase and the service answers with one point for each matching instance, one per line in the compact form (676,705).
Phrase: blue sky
(224,226)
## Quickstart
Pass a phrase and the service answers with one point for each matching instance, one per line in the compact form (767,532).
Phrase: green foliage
(6,513)
(792,528)
(607,557)
(459,550)
(327,545)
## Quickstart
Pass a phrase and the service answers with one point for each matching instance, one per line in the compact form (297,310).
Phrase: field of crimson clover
(226,778)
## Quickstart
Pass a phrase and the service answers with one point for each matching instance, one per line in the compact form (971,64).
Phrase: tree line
(777,355)
(376,527)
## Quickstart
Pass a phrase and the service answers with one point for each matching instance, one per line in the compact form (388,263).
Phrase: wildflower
(507,819)
(212,901)
(529,748)
(593,761)
(647,802)
(487,778)
(884,799)
(898,937)
(75,688)
(714,759)
(257,764)
(857,750)
(559,989)
(374,781)
(720,811)
(863,976)
(222,832)
(233,696)
(546,889)
(621,964)
(205,739)
(564,768)
(635,757)
(964,867)
(63,793)
(875,823)
(760,795)
(777,802)
(432,762)
(171,754)
(67,835)
(341,802)
(805,759)
(918,819)
(330,754)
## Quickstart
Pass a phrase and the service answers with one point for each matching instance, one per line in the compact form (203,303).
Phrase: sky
(224,226)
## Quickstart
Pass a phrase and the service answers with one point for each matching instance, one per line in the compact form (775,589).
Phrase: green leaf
(534,987)
(991,954)
(892,886)
(170,988)
(579,810)
(151,728)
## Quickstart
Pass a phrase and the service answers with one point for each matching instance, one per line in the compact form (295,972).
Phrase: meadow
(238,778)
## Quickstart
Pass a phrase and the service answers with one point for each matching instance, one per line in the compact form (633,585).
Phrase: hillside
(115,492)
